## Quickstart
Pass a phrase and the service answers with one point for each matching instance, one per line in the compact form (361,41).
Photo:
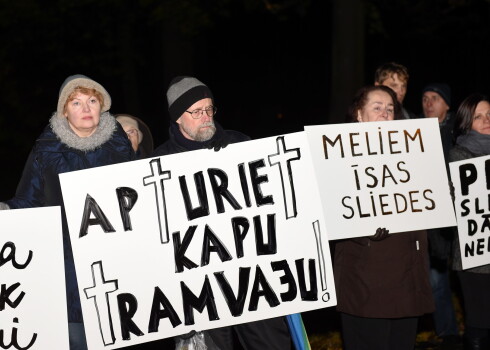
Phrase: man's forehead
(431,94)
(201,103)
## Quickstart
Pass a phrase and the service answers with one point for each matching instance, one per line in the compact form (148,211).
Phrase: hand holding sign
(381,233)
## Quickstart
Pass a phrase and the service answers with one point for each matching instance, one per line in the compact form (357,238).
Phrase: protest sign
(32,298)
(381,174)
(471,180)
(198,240)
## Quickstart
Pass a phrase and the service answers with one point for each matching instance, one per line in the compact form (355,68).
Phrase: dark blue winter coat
(51,156)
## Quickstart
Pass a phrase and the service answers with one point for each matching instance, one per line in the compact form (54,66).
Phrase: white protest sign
(32,298)
(381,174)
(471,180)
(198,240)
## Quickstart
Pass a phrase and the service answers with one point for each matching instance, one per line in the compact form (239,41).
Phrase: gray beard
(201,135)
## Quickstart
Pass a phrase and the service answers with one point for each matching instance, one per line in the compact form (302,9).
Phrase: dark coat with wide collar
(40,185)
(383,279)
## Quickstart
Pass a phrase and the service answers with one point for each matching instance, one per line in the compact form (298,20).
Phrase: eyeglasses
(197,113)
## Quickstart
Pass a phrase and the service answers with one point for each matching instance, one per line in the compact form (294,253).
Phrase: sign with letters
(198,240)
(32,280)
(381,174)
(471,180)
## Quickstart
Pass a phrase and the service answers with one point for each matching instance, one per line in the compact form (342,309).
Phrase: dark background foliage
(273,66)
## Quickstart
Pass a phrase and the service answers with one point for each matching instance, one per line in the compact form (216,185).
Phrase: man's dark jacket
(40,184)
(178,143)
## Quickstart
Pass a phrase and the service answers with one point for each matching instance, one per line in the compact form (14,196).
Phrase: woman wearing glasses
(382,281)
(138,133)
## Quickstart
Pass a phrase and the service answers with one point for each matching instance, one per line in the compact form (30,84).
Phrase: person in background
(472,133)
(382,281)
(138,133)
(395,76)
(436,102)
(81,134)
(193,126)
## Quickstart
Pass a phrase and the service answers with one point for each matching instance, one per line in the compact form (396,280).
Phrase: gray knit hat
(78,80)
(183,92)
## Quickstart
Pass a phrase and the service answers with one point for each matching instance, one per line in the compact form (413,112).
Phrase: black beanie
(183,92)
(442,89)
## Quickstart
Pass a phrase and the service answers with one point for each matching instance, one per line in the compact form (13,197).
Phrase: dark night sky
(268,62)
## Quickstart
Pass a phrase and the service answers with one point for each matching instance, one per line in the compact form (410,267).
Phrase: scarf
(476,143)
(103,133)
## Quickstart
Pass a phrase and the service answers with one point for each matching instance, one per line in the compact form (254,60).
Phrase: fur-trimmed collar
(104,131)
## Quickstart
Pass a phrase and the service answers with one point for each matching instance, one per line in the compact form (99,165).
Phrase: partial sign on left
(32,280)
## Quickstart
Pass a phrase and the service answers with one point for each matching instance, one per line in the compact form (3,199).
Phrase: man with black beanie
(192,127)
(436,102)
(192,124)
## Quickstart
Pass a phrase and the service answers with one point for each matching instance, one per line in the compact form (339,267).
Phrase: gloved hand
(192,340)
(218,143)
(381,233)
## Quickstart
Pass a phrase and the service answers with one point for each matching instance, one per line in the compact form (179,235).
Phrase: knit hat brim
(187,99)
(78,80)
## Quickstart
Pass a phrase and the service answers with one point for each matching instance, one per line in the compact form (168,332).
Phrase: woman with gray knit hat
(81,134)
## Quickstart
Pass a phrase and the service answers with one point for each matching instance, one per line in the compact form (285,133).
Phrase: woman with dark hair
(372,97)
(382,281)
(472,133)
